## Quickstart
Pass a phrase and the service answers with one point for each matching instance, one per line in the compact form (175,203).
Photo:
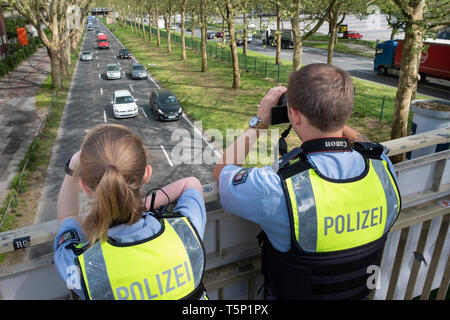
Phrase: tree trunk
(234,55)
(53,53)
(183,40)
(333,34)
(223,31)
(138,30)
(130,20)
(393,33)
(158,35)
(203,37)
(244,9)
(339,23)
(411,51)
(297,57)
(168,28)
(278,35)
(192,29)
(150,34)
(143,25)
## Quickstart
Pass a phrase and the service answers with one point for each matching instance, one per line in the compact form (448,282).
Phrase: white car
(124,105)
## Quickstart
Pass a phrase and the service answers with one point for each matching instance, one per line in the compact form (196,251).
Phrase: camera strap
(338,144)
(282,145)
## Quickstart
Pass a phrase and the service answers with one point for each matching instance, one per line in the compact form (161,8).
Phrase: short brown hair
(323,93)
(112,164)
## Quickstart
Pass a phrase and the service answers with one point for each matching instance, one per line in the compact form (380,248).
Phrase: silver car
(86,56)
(113,71)
(138,71)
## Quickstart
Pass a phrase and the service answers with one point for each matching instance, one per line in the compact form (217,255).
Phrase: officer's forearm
(174,190)
(68,204)
(237,152)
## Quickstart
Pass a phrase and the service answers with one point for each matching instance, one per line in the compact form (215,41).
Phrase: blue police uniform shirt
(257,194)
(190,204)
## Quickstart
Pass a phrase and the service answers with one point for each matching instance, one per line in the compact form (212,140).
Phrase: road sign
(342,28)
(22,36)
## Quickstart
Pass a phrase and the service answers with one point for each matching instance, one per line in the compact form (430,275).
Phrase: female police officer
(119,251)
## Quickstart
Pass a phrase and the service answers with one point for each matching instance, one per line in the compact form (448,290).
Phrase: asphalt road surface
(89,105)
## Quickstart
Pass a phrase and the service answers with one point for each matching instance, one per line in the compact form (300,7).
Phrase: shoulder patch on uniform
(241,176)
(69,235)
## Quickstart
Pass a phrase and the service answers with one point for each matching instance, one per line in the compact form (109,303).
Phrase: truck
(434,61)
(102,41)
(287,38)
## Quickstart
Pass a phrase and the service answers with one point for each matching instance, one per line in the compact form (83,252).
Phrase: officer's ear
(85,187)
(295,116)
(147,174)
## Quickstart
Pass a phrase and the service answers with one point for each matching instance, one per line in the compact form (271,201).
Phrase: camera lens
(282,102)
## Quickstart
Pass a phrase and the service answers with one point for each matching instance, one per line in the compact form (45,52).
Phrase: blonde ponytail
(112,163)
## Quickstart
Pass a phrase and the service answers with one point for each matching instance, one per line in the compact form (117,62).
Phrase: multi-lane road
(89,105)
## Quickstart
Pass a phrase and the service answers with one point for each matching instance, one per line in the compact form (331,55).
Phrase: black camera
(279,114)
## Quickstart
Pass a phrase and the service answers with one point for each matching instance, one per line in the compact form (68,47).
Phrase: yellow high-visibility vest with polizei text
(331,215)
(167,266)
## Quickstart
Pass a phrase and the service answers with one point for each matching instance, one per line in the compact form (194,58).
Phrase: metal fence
(260,66)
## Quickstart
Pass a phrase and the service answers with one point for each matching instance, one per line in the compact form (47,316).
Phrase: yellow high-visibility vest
(169,265)
(330,215)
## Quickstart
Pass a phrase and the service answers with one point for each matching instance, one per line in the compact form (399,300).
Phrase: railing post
(382,108)
(265,69)
(278,76)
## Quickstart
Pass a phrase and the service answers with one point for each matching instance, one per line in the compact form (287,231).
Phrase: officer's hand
(270,100)
(74,164)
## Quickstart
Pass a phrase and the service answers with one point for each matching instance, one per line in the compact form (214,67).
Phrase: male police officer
(326,212)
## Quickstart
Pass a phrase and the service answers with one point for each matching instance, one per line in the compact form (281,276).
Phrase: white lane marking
(95,51)
(338,60)
(217,152)
(98,65)
(153,81)
(118,63)
(96,57)
(120,43)
(286,54)
(104,115)
(167,156)
(101,91)
(99,76)
(316,61)
(131,88)
(143,112)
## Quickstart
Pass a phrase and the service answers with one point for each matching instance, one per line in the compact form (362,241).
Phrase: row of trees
(417,17)
(65,20)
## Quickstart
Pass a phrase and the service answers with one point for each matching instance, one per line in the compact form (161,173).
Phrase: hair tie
(111,165)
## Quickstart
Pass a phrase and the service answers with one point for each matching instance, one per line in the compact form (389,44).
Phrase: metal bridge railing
(415,259)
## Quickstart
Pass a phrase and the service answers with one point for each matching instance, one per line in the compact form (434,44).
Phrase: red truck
(435,62)
(102,41)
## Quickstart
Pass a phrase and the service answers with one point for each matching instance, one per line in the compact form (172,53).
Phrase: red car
(102,42)
(352,35)
(219,34)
